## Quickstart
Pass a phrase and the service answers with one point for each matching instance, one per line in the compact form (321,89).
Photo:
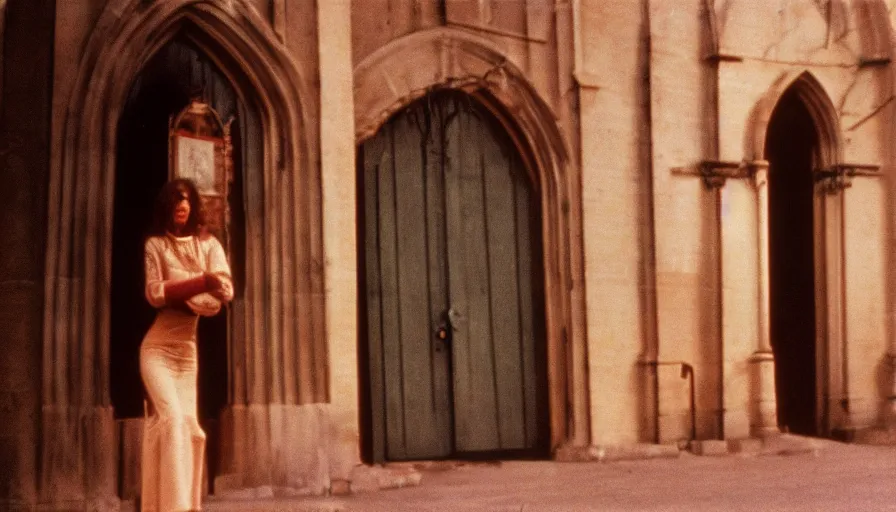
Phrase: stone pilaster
(338,174)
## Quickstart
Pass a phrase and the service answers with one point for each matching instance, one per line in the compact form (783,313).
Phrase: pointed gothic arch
(816,99)
(412,66)
(821,248)
(281,358)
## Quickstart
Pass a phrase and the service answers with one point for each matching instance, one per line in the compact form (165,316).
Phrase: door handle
(445,329)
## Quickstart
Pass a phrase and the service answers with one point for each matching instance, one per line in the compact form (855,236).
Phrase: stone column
(765,415)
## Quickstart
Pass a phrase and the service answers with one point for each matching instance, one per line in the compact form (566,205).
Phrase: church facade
(504,228)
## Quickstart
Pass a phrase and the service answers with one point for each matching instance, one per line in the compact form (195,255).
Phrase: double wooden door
(452,286)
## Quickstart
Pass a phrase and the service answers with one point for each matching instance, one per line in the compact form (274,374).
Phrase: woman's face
(181,210)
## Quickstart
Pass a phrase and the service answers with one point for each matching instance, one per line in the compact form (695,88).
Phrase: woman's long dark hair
(170,195)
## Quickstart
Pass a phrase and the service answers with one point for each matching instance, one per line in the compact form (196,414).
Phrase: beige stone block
(228,483)
(344,442)
(303,452)
(674,419)
(246,493)
(709,447)
(634,451)
(365,479)
(570,453)
(290,444)
(865,411)
(373,478)
(789,444)
(640,451)
(614,414)
(340,488)
(745,446)
(291,492)
(885,436)
(737,422)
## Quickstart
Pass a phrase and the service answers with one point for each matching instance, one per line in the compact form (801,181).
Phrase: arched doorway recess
(277,353)
(452,286)
(792,150)
(797,131)
(177,72)
(411,67)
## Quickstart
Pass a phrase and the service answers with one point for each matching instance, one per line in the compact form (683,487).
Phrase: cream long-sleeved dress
(173,442)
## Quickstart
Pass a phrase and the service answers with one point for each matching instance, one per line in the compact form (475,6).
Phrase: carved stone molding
(758,170)
(825,115)
(446,58)
(716,172)
(839,177)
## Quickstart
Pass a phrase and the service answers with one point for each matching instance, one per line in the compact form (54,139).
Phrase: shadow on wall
(884,379)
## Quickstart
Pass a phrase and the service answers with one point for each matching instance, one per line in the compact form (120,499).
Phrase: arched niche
(278,353)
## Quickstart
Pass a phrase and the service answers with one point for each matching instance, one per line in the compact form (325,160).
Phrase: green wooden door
(450,236)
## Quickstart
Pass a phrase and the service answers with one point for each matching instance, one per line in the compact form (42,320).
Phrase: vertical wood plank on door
(438,284)
(504,294)
(526,311)
(372,158)
(474,376)
(390,321)
(421,429)
(457,284)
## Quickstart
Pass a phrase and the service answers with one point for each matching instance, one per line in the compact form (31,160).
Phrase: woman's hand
(212,282)
(215,287)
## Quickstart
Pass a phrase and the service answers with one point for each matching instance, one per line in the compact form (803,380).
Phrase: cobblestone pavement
(836,477)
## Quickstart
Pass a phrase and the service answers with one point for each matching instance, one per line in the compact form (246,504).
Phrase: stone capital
(716,172)
(758,169)
(838,177)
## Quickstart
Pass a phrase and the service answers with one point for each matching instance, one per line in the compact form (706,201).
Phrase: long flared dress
(173,442)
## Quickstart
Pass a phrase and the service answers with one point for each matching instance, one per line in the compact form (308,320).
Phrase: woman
(186,275)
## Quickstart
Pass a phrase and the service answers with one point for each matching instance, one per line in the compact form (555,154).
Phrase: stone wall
(25,144)
(681,127)
(611,72)
(759,49)
(664,93)
(621,106)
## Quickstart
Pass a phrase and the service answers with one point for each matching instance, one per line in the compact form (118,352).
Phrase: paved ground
(837,477)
